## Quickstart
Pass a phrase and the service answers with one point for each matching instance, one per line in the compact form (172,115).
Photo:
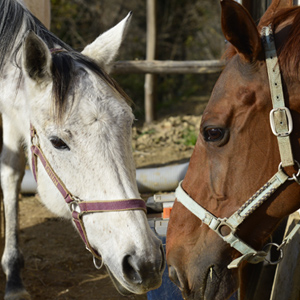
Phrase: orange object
(167,212)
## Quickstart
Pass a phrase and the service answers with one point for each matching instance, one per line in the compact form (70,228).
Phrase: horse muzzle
(138,275)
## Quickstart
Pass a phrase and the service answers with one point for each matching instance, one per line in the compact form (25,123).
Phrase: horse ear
(36,59)
(272,9)
(240,30)
(106,47)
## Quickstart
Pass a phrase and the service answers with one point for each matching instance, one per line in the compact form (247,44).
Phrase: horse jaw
(106,47)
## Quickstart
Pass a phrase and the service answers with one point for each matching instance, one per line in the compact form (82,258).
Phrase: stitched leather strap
(37,153)
(78,207)
(281,123)
(214,223)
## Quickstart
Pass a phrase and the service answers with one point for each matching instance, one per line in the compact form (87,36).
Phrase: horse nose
(137,269)
(173,275)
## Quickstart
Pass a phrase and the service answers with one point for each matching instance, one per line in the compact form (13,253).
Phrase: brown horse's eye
(213,134)
(58,143)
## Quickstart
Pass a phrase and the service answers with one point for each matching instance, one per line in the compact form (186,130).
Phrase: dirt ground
(57,266)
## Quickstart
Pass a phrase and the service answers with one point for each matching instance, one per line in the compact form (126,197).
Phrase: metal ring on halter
(95,259)
(295,176)
(35,140)
(74,206)
(278,248)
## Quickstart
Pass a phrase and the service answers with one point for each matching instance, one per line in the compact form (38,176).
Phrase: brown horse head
(236,154)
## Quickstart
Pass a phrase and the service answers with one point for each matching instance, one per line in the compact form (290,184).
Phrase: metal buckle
(289,120)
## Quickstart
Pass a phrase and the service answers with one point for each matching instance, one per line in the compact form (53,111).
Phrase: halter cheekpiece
(281,126)
(78,207)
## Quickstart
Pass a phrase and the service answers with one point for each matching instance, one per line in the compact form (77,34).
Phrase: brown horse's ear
(240,30)
(272,9)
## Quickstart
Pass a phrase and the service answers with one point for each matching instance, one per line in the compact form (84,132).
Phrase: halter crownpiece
(280,116)
(78,207)
(282,126)
(57,50)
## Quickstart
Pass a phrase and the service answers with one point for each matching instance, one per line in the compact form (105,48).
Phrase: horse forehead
(239,85)
(109,112)
(96,99)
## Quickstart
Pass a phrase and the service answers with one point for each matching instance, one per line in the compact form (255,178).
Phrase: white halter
(281,125)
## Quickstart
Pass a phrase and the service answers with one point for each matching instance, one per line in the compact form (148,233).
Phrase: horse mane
(288,53)
(13,16)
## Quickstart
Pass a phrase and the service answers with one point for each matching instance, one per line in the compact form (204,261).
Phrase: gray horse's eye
(58,143)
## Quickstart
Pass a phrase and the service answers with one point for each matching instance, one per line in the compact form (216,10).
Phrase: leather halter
(78,207)
(281,125)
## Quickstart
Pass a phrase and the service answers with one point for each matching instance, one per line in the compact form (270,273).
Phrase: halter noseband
(281,125)
(78,207)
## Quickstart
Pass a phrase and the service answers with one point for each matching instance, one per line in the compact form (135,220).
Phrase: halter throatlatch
(78,207)
(282,126)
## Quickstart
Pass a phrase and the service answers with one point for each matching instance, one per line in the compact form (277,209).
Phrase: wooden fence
(167,67)
(150,66)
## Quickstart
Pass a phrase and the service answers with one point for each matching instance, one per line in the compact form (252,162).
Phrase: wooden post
(168,66)
(41,9)
(150,55)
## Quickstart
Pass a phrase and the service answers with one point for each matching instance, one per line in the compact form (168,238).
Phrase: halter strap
(78,207)
(57,50)
(248,253)
(281,125)
(280,116)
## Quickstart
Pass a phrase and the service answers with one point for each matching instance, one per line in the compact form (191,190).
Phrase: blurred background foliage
(186,30)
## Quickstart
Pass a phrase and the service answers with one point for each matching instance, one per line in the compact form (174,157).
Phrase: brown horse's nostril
(173,276)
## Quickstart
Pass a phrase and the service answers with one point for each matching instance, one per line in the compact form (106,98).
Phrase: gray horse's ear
(36,59)
(106,47)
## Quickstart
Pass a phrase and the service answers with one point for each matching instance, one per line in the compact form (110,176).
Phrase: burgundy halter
(78,207)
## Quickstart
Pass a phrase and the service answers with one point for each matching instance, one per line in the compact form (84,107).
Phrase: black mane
(13,16)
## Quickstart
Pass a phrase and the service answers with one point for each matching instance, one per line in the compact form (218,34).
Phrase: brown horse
(235,155)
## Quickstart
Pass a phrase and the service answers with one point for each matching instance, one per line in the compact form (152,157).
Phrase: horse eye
(58,143)
(213,134)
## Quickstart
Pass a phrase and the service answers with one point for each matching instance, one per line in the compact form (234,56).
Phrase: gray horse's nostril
(131,270)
